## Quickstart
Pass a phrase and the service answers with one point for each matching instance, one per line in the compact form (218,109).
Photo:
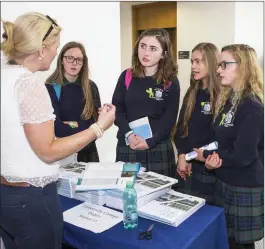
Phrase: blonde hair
(58,74)
(25,36)
(249,81)
(210,57)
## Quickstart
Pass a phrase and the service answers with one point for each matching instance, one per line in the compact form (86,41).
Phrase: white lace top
(25,99)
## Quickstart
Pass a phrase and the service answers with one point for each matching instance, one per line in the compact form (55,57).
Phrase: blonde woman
(30,211)
(194,124)
(239,161)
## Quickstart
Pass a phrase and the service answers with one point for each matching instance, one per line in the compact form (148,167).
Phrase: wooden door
(155,15)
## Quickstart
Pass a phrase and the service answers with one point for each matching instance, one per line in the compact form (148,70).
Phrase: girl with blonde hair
(194,123)
(239,162)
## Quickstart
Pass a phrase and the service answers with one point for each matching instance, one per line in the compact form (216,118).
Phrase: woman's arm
(42,140)
(36,116)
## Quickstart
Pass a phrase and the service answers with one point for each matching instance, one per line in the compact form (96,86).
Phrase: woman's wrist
(97,128)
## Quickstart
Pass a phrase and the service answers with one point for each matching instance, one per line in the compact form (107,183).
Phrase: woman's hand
(106,116)
(213,161)
(200,155)
(141,145)
(133,140)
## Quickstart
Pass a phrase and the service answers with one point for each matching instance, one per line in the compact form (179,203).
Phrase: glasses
(224,63)
(71,59)
(51,28)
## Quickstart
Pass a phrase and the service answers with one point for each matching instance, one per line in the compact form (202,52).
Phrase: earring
(40,58)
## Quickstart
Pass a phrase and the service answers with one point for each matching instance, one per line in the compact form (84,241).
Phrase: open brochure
(148,186)
(172,208)
(98,176)
(141,127)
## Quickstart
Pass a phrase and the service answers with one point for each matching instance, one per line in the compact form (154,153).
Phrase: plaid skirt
(160,159)
(244,211)
(200,183)
(88,154)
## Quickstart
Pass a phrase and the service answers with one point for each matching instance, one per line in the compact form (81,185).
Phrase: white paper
(103,183)
(148,186)
(103,170)
(193,154)
(100,176)
(92,217)
(141,127)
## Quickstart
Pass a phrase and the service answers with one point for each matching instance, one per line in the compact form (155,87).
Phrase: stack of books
(66,183)
(69,172)
(172,208)
(88,181)
(148,185)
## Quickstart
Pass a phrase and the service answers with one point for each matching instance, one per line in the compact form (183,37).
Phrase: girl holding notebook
(149,89)
(194,123)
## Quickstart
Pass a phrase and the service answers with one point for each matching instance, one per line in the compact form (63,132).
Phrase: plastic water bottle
(130,215)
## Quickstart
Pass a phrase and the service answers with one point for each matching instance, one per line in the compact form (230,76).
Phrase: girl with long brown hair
(153,93)
(75,98)
(194,124)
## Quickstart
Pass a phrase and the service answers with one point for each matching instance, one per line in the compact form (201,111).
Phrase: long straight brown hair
(210,57)
(167,68)
(58,75)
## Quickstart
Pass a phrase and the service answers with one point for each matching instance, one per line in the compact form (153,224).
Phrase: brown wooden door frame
(161,14)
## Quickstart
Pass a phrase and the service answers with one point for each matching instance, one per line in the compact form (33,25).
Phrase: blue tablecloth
(205,229)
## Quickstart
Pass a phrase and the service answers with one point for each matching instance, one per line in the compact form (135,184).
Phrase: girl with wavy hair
(153,93)
(239,162)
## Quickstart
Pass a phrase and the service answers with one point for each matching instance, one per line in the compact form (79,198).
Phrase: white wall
(202,22)
(221,23)
(97,26)
(249,25)
(196,22)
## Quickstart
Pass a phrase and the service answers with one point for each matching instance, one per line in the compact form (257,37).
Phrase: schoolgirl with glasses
(239,161)
(75,98)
